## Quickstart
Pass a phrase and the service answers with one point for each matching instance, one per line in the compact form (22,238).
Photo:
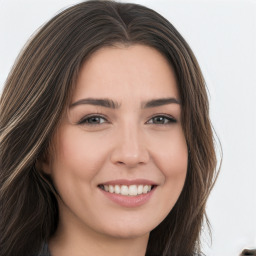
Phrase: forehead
(117,72)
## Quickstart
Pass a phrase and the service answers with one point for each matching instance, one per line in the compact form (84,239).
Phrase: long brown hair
(35,96)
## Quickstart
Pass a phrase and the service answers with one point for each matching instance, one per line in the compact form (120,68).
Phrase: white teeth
(140,189)
(117,189)
(111,189)
(145,189)
(132,190)
(124,190)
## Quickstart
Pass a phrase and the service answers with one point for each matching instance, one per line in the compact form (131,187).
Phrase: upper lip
(129,182)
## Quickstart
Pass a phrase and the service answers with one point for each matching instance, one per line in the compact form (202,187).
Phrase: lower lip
(129,201)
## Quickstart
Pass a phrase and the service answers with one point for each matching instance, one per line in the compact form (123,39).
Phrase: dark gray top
(44,251)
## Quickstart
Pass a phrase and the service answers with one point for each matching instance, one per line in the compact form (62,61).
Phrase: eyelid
(167,116)
(85,118)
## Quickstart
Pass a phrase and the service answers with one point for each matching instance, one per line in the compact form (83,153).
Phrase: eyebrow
(160,102)
(97,102)
(108,103)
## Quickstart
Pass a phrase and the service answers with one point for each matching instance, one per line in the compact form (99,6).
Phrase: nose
(130,148)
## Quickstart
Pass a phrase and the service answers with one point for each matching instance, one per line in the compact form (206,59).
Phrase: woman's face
(121,137)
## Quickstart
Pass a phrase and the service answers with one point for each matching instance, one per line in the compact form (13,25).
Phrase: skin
(126,142)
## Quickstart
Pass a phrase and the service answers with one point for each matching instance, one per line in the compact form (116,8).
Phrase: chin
(128,234)
(125,230)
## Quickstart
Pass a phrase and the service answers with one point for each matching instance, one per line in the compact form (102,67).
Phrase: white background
(222,35)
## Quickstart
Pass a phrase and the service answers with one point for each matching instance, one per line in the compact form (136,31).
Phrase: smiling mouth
(131,190)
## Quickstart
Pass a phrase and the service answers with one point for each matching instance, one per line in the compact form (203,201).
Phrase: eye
(92,120)
(162,120)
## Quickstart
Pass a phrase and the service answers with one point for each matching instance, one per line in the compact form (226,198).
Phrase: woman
(106,142)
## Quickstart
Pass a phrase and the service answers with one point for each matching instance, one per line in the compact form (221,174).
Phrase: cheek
(172,159)
(176,164)
(77,160)
(170,153)
(77,152)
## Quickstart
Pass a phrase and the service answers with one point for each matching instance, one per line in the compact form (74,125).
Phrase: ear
(43,164)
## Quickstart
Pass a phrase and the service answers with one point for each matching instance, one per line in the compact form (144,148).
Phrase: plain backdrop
(222,35)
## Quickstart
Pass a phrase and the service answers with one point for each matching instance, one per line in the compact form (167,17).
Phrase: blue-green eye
(92,120)
(161,120)
(97,120)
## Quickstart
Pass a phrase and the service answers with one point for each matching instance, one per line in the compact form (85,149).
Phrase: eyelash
(167,120)
(84,120)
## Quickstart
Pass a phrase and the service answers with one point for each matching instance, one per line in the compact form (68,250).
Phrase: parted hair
(36,94)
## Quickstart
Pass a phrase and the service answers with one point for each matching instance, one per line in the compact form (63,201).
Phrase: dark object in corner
(247,252)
